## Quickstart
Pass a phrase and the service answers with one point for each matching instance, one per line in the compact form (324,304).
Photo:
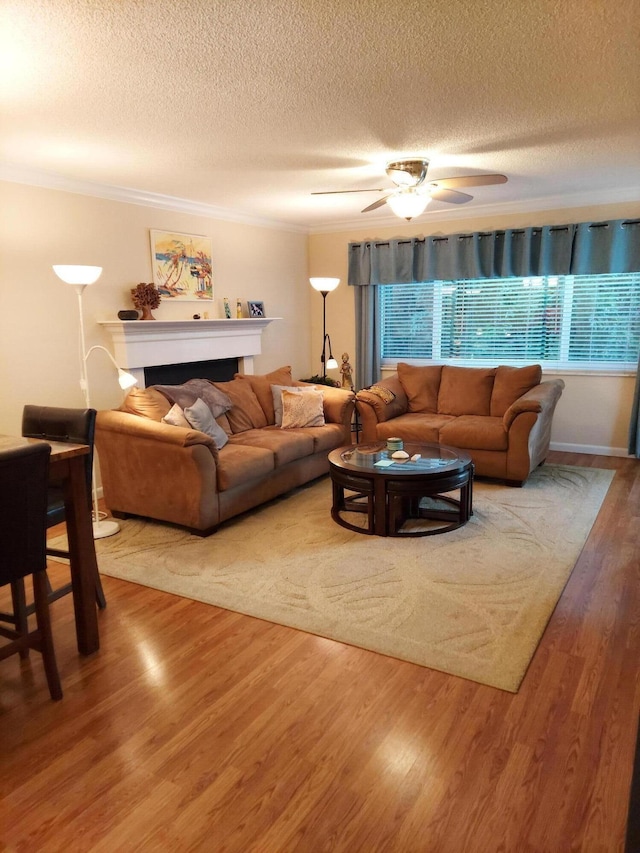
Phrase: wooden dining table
(67,470)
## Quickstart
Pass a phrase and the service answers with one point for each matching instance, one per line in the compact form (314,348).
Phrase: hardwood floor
(196,728)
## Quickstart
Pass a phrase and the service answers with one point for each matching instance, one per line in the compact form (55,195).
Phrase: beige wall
(39,320)
(39,314)
(593,413)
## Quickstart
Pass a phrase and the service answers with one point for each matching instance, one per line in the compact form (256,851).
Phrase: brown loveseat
(501,416)
(177,474)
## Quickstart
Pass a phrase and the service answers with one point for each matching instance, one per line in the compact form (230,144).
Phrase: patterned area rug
(473,602)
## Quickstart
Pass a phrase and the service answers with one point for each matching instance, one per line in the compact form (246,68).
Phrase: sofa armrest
(541,398)
(157,470)
(124,423)
(370,403)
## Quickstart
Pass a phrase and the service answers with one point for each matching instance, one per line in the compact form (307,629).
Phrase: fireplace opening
(219,370)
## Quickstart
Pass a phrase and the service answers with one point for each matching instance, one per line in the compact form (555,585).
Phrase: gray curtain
(368,343)
(634,425)
(587,248)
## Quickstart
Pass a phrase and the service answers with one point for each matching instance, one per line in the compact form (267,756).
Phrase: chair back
(24,474)
(72,426)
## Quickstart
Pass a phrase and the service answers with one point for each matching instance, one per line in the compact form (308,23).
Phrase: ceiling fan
(412,194)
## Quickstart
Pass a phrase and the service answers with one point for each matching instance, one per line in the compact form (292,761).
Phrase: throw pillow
(200,417)
(175,417)
(302,409)
(276,394)
(386,394)
(245,412)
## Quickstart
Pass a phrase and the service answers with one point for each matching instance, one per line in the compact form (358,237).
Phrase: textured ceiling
(251,106)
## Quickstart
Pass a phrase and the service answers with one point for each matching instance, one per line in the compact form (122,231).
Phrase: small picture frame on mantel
(256,309)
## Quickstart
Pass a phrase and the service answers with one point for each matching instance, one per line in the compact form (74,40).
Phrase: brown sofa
(177,474)
(501,416)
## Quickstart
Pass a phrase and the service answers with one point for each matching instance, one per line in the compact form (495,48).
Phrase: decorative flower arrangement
(145,297)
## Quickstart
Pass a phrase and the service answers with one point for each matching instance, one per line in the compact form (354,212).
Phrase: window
(560,321)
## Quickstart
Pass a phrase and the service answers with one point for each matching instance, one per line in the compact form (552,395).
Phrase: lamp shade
(126,380)
(408,203)
(324,285)
(76,273)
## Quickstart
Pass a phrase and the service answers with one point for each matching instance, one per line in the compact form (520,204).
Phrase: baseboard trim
(594,449)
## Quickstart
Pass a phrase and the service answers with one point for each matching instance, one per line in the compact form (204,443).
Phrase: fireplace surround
(139,345)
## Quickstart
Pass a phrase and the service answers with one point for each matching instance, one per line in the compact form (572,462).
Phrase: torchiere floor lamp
(324,286)
(81,277)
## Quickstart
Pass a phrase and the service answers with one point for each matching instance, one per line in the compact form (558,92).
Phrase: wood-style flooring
(198,729)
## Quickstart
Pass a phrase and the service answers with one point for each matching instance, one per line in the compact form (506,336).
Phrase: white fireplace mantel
(145,343)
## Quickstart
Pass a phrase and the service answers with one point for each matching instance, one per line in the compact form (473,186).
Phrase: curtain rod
(535,230)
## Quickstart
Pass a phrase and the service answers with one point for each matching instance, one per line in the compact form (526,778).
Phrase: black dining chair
(24,476)
(75,426)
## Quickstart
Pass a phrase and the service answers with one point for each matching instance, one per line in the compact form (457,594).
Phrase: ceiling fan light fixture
(408,203)
(407,173)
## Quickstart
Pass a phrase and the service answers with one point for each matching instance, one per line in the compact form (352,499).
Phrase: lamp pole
(324,333)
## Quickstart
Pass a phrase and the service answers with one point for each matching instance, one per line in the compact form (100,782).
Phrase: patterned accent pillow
(302,409)
(386,394)
(276,392)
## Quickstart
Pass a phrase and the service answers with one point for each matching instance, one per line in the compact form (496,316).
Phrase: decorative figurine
(227,308)
(345,370)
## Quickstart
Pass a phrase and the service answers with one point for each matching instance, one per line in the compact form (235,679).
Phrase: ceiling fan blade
(337,192)
(469,181)
(376,204)
(450,196)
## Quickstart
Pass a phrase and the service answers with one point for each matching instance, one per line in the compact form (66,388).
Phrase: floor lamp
(324,286)
(81,277)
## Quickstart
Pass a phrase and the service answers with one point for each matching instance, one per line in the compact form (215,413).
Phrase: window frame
(561,366)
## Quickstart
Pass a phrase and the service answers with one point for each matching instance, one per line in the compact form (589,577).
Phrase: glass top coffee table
(401,497)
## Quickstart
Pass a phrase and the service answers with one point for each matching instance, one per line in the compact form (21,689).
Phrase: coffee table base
(390,503)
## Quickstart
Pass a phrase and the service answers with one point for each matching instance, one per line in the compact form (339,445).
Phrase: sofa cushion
(245,412)
(238,464)
(414,427)
(325,438)
(302,409)
(284,445)
(465,390)
(475,432)
(146,403)
(261,386)
(421,385)
(510,384)
(200,417)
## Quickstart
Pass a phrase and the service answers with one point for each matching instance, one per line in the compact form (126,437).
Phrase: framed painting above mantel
(182,266)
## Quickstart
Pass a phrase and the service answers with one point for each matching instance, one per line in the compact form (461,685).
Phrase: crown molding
(476,211)
(50,180)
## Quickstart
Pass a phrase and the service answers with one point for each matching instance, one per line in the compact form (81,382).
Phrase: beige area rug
(473,602)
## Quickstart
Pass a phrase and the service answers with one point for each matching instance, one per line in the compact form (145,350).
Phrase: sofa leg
(207,532)
(117,514)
